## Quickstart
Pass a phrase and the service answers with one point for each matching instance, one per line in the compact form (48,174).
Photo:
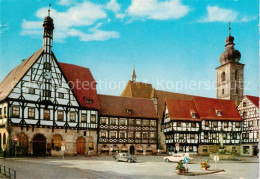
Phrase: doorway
(39,145)
(132,150)
(80,146)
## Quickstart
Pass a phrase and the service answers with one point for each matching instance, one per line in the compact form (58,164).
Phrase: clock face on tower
(47,75)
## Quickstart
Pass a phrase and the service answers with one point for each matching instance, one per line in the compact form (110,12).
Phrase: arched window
(223,91)
(56,142)
(223,76)
(4,139)
(236,75)
(90,143)
(244,114)
(23,140)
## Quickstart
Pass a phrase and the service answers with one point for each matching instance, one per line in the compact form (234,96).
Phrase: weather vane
(49,10)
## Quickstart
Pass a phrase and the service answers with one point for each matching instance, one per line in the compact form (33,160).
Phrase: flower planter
(205,169)
(180,171)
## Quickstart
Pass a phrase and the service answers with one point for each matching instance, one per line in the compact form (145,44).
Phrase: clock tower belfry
(230,74)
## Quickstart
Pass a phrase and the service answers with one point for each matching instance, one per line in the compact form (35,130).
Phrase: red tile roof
(254,100)
(83,84)
(181,110)
(207,107)
(117,106)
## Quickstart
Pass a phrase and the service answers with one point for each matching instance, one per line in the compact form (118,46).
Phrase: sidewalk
(2,176)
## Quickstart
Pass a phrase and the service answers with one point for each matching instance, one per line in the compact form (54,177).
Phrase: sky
(173,44)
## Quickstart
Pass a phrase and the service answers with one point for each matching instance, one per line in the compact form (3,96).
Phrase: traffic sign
(216,158)
(15,139)
(62,148)
(186,160)
(63,143)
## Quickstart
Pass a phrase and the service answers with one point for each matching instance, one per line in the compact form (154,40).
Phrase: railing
(8,171)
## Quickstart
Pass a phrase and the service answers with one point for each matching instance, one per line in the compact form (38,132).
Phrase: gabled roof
(181,110)
(138,90)
(11,80)
(82,83)
(117,106)
(254,100)
(207,108)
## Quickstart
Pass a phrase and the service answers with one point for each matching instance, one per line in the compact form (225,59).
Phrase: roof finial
(49,10)
(229,29)
(134,75)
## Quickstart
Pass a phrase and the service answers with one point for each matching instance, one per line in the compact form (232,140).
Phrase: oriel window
(31,113)
(16,111)
(46,114)
(60,115)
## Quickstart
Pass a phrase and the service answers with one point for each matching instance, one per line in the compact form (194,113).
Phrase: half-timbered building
(127,125)
(43,103)
(249,110)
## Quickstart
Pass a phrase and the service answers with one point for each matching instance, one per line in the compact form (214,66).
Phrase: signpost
(63,148)
(186,161)
(15,140)
(216,159)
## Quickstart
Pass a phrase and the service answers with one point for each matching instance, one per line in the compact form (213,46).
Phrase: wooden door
(39,145)
(80,146)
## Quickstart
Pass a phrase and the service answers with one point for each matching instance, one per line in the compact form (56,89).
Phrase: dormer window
(89,101)
(129,111)
(193,113)
(218,113)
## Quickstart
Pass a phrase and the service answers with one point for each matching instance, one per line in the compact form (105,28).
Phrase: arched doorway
(39,145)
(80,146)
(132,150)
(22,148)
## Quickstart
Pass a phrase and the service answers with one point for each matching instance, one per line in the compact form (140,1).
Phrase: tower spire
(229,29)
(134,75)
(49,10)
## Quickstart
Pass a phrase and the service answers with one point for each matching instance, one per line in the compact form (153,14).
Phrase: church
(45,108)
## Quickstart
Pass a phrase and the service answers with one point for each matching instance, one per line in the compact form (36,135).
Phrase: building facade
(127,125)
(249,110)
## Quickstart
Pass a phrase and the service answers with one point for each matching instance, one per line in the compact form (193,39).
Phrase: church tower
(134,76)
(230,74)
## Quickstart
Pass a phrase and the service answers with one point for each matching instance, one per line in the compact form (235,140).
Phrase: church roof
(117,106)
(82,83)
(137,89)
(11,80)
(182,109)
(254,100)
(207,108)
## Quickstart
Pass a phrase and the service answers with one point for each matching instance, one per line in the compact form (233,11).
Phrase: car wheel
(167,160)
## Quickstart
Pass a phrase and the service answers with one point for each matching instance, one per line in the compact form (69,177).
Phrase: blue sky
(168,41)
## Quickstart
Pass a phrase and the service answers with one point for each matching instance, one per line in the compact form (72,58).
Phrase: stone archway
(132,150)
(39,145)
(80,146)
(22,148)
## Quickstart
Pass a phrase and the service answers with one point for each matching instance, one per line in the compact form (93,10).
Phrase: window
(152,135)
(137,135)
(214,136)
(31,90)
(236,75)
(206,135)
(4,139)
(90,144)
(56,142)
(223,91)
(131,122)
(122,135)
(193,115)
(138,122)
(178,124)
(145,135)
(244,114)
(60,115)
(122,122)
(206,123)
(245,135)
(226,124)
(72,116)
(193,124)
(61,95)
(223,76)
(181,136)
(83,117)
(190,148)
(146,123)
(103,120)
(130,135)
(113,134)
(47,66)
(4,110)
(237,124)
(129,111)
(31,113)
(113,121)
(234,136)
(46,114)
(215,124)
(153,123)
(224,135)
(244,104)
(103,134)
(46,93)
(16,111)
(192,136)
(205,149)
(218,113)
(250,123)
(92,118)
(180,148)
(89,101)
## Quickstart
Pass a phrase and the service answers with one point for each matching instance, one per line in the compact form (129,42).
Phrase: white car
(176,158)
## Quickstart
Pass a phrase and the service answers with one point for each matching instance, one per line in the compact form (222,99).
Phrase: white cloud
(80,16)
(120,16)
(159,10)
(248,18)
(3,28)
(217,14)
(113,6)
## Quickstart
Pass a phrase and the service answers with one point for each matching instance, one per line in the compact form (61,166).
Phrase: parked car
(125,157)
(177,158)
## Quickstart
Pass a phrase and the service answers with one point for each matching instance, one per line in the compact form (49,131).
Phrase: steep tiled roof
(207,108)
(137,89)
(181,110)
(254,100)
(84,85)
(10,81)
(117,106)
